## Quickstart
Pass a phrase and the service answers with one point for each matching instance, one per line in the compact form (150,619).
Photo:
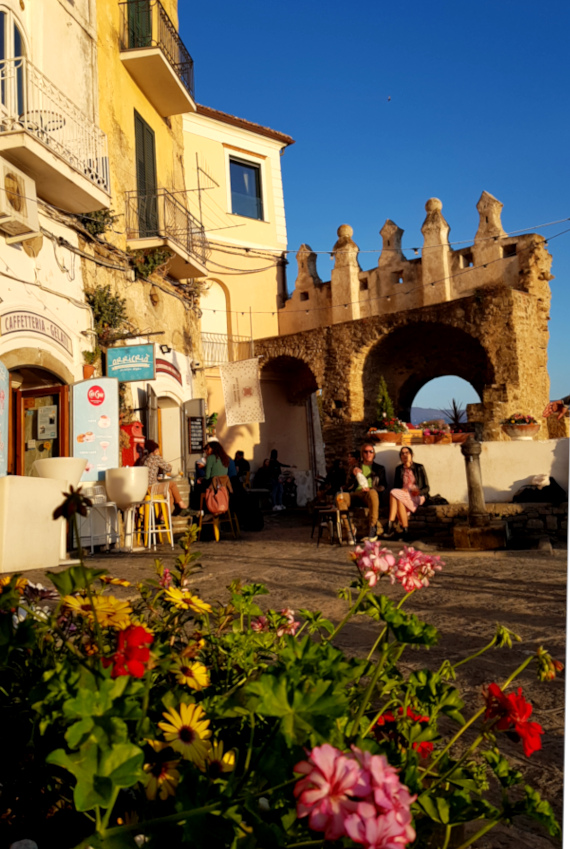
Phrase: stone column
(487,247)
(435,255)
(345,283)
(478,516)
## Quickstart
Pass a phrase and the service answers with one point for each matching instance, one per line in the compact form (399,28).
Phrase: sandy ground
(524,590)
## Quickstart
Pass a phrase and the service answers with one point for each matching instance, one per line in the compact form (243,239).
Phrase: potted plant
(432,435)
(388,427)
(520,427)
(90,358)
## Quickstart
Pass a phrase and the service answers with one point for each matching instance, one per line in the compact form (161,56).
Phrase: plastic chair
(217,520)
(107,510)
(157,506)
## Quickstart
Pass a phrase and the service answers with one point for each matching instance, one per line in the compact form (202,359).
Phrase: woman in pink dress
(411,489)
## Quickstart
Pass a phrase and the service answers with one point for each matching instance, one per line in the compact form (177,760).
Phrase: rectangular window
(246,189)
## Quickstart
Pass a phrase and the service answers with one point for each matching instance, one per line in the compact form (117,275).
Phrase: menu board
(4,401)
(95,432)
(196,433)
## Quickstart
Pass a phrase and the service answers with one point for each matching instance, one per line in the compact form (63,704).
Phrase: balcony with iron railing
(46,135)
(156,58)
(219,348)
(158,219)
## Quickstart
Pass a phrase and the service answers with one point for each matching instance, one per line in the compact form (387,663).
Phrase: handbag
(217,500)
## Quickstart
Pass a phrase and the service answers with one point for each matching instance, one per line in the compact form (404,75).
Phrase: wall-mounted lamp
(165,349)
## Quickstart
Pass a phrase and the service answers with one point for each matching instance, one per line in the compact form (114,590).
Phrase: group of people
(268,476)
(364,482)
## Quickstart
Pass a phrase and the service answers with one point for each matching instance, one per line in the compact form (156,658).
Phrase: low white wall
(505,466)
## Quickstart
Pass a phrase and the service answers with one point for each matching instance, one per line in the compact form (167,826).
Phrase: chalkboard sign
(196,434)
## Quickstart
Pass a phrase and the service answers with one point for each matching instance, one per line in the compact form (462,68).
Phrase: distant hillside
(423,414)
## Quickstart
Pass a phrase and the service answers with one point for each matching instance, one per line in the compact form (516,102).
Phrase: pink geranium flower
(414,568)
(324,795)
(373,561)
(358,796)
(291,625)
(259,624)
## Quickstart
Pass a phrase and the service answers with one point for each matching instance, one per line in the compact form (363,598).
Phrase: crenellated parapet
(433,274)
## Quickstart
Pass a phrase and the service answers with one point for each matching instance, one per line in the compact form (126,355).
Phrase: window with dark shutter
(146,178)
(140,24)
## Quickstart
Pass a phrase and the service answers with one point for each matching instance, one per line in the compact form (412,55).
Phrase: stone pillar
(435,255)
(487,247)
(345,283)
(307,275)
(391,245)
(478,516)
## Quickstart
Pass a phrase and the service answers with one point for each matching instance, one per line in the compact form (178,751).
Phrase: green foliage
(88,754)
(384,406)
(97,223)
(91,357)
(151,261)
(109,313)
(455,415)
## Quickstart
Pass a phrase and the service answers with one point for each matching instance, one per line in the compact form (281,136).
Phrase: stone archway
(297,377)
(412,355)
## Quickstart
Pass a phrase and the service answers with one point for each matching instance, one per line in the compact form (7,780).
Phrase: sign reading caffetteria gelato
(95,433)
(23,321)
(133,362)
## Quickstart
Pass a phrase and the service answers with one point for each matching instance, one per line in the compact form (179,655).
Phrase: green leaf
(75,578)
(76,733)
(82,765)
(122,764)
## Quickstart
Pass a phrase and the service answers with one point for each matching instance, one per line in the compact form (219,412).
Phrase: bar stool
(157,506)
(330,518)
(108,510)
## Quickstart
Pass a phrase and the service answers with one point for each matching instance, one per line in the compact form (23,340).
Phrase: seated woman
(152,459)
(217,462)
(411,489)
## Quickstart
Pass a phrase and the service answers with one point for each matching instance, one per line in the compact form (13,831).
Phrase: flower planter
(428,440)
(88,372)
(385,436)
(460,438)
(444,439)
(521,432)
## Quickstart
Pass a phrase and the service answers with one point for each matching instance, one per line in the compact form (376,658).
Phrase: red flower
(387,729)
(512,714)
(132,652)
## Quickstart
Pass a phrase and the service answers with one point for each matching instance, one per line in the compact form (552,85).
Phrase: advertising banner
(133,362)
(4,403)
(242,392)
(95,432)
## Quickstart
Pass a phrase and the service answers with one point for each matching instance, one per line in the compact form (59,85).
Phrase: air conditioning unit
(18,204)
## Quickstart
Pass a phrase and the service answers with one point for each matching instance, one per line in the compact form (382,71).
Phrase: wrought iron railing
(160,214)
(144,23)
(30,101)
(219,348)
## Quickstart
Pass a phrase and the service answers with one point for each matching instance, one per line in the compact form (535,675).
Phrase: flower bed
(186,723)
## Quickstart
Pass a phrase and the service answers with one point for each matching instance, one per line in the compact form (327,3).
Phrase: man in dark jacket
(365,481)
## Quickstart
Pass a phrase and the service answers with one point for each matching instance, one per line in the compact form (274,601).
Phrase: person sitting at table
(262,477)
(411,488)
(155,463)
(365,480)
(243,468)
(218,463)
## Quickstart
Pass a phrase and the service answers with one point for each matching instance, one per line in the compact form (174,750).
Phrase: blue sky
(478,100)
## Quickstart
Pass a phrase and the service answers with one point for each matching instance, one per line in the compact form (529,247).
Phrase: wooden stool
(330,517)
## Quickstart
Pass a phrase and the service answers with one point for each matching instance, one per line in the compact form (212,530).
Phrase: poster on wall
(95,430)
(131,362)
(4,401)
(47,422)
(242,392)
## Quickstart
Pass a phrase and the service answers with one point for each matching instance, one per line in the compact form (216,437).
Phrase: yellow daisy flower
(117,582)
(187,732)
(110,611)
(184,600)
(218,762)
(21,583)
(194,647)
(195,674)
(161,775)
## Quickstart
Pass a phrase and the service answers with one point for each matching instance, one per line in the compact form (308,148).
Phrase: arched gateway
(480,313)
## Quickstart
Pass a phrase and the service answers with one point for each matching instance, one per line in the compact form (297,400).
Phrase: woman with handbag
(411,488)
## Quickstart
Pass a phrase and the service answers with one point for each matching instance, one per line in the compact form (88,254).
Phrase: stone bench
(530,520)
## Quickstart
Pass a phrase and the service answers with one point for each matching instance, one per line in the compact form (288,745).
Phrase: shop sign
(23,321)
(134,362)
(4,400)
(169,368)
(95,425)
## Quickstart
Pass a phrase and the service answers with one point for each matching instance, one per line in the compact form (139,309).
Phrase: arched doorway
(169,436)
(39,418)
(437,397)
(412,355)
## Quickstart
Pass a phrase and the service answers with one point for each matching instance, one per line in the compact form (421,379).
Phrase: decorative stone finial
(345,250)
(435,228)
(391,243)
(307,265)
(489,209)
